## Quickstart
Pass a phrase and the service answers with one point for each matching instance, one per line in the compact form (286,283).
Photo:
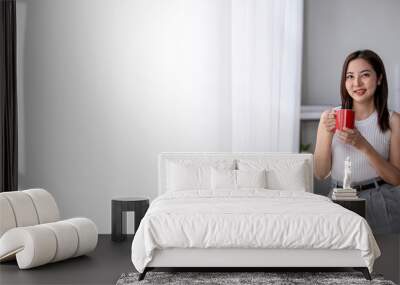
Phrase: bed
(247,210)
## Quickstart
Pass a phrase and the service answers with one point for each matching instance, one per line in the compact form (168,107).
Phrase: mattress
(250,219)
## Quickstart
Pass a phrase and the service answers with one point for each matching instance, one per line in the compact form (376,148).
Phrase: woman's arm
(388,170)
(323,147)
(394,151)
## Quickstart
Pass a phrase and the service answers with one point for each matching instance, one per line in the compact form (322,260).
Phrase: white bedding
(250,218)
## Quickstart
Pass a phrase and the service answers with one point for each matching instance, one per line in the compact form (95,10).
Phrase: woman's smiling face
(361,80)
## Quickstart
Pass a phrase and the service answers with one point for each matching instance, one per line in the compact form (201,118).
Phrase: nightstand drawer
(357,206)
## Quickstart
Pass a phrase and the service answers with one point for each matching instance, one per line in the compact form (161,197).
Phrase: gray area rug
(228,278)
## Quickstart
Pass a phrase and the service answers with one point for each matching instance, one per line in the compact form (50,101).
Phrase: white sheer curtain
(266,74)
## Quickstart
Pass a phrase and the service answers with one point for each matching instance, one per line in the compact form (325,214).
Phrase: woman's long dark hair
(381,92)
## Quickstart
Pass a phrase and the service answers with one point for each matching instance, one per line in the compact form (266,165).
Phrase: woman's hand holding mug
(352,137)
(346,130)
(328,121)
(342,122)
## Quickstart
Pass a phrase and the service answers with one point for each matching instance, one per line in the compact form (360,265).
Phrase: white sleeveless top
(361,169)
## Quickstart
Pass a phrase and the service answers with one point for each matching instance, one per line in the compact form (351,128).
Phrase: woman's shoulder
(394,121)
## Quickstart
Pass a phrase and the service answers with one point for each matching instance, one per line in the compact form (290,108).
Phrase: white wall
(104,86)
(333,29)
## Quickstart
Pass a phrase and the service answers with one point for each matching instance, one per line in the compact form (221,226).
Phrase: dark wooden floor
(102,266)
(110,259)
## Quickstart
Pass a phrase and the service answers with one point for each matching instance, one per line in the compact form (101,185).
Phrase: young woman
(373,145)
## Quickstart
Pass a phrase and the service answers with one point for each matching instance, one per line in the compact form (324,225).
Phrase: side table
(356,205)
(119,207)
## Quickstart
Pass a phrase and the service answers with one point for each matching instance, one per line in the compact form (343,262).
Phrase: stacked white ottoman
(31,230)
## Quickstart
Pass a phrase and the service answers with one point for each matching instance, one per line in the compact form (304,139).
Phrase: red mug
(344,118)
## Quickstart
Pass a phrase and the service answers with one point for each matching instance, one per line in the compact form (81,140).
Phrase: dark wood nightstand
(119,207)
(358,206)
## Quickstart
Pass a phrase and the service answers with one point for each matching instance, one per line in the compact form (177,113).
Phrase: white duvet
(250,218)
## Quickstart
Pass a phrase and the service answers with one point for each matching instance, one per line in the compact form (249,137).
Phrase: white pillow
(291,178)
(223,179)
(188,177)
(282,174)
(251,178)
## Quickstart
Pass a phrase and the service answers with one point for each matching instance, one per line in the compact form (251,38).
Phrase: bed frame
(242,259)
(246,258)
